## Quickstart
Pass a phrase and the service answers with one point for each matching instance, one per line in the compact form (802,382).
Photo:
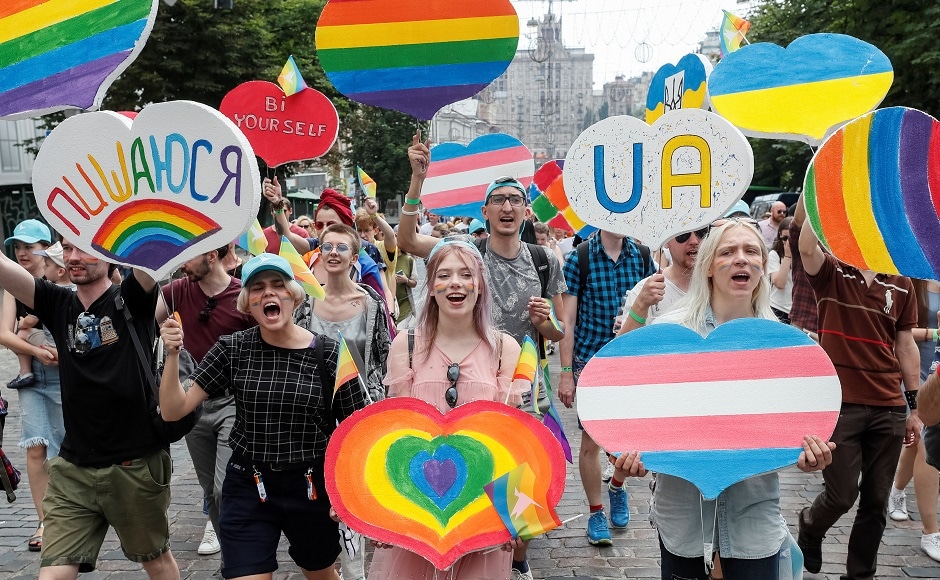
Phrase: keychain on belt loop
(311,489)
(259,483)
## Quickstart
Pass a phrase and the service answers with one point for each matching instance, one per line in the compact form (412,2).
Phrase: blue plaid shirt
(606,284)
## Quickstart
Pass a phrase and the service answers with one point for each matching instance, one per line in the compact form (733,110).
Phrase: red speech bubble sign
(282,129)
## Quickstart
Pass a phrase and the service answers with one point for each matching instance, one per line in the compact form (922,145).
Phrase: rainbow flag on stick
(733,31)
(522,514)
(551,419)
(345,366)
(366,183)
(253,240)
(290,78)
(552,317)
(301,272)
(527,366)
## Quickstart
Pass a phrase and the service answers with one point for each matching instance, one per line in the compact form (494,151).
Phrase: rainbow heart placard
(405,474)
(550,202)
(872,193)
(653,182)
(712,411)
(458,175)
(58,54)
(801,92)
(415,56)
(282,129)
(177,181)
(678,86)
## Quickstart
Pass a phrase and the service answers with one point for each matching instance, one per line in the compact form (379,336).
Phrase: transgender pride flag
(712,411)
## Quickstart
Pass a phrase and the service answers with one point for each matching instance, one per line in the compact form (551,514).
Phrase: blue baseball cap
(263,262)
(476,226)
(30,232)
(506,182)
(739,208)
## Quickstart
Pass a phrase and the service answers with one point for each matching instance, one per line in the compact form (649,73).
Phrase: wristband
(936,335)
(566,369)
(635,316)
(278,211)
(415,212)
(911,397)
(409,201)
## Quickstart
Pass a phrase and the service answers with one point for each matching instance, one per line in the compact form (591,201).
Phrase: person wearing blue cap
(280,374)
(478,229)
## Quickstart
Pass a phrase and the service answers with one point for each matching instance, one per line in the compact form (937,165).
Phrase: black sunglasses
(206,312)
(450,395)
(683,238)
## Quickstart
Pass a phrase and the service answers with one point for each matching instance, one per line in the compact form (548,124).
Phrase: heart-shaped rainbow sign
(712,411)
(405,474)
(56,54)
(177,181)
(459,174)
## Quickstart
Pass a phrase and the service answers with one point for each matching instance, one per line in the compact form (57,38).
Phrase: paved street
(563,553)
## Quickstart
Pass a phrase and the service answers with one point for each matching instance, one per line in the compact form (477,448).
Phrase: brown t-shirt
(858,325)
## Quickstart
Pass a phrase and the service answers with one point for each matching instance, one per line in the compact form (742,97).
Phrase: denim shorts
(249,529)
(41,411)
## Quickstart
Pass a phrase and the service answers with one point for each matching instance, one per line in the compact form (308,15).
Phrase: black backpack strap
(583,265)
(481,245)
(645,255)
(540,260)
(148,370)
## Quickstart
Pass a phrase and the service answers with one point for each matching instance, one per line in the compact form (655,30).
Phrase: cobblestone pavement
(563,553)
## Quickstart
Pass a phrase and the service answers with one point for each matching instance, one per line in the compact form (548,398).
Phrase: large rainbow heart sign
(802,92)
(407,475)
(415,56)
(678,86)
(177,181)
(712,411)
(550,202)
(872,193)
(653,182)
(282,129)
(458,175)
(56,54)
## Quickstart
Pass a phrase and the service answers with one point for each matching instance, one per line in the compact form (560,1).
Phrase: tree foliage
(905,30)
(378,141)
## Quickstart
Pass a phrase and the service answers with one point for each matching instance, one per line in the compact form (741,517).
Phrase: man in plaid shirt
(615,264)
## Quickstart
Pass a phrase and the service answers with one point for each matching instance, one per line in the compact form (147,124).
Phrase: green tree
(378,141)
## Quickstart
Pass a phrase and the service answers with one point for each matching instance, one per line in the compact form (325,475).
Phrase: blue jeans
(41,411)
(679,568)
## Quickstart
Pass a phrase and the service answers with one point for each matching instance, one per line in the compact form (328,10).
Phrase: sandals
(35,542)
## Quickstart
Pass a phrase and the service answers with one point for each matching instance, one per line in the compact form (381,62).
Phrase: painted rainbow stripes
(712,411)
(550,201)
(458,175)
(873,193)
(144,232)
(415,56)
(59,53)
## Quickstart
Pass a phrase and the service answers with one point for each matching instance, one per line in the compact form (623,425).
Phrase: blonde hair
(293,286)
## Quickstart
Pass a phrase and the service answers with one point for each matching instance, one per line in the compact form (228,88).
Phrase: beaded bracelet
(416,212)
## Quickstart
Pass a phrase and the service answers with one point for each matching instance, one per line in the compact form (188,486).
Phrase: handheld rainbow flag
(733,31)
(551,419)
(345,366)
(551,317)
(253,240)
(301,272)
(527,367)
(522,514)
(366,183)
(290,78)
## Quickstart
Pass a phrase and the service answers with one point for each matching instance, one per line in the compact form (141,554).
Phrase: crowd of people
(248,362)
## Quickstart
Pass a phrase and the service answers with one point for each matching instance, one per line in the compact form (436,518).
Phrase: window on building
(9,152)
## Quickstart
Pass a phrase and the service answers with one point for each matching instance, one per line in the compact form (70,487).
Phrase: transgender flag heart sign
(713,411)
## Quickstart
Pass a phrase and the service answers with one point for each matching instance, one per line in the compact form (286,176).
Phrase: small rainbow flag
(528,361)
(522,514)
(345,366)
(253,240)
(290,78)
(733,31)
(551,419)
(552,317)
(301,272)
(366,183)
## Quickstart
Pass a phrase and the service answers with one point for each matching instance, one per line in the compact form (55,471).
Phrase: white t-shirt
(781,299)
(672,295)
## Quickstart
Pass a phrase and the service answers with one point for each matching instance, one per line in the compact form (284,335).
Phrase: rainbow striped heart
(405,474)
(713,411)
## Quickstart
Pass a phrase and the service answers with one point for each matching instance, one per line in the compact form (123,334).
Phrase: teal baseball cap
(263,262)
(477,226)
(30,232)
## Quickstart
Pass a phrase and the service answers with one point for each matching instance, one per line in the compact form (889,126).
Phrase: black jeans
(868,443)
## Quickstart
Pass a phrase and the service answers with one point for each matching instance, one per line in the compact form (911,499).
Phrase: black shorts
(249,530)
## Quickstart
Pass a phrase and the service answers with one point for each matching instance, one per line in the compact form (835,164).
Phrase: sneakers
(608,473)
(210,542)
(812,548)
(597,530)
(22,381)
(897,505)
(619,512)
(517,575)
(930,544)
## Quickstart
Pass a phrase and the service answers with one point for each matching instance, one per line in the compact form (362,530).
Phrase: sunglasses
(306,225)
(785,238)
(321,225)
(450,395)
(327,248)
(206,312)
(724,221)
(683,238)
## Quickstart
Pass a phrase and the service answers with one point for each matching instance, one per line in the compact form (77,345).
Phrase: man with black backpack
(114,466)
(522,276)
(598,274)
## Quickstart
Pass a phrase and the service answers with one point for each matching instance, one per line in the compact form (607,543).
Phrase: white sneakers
(930,544)
(210,542)
(517,575)
(897,505)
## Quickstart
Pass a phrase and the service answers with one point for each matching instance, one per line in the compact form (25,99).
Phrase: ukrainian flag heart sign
(405,474)
(713,411)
